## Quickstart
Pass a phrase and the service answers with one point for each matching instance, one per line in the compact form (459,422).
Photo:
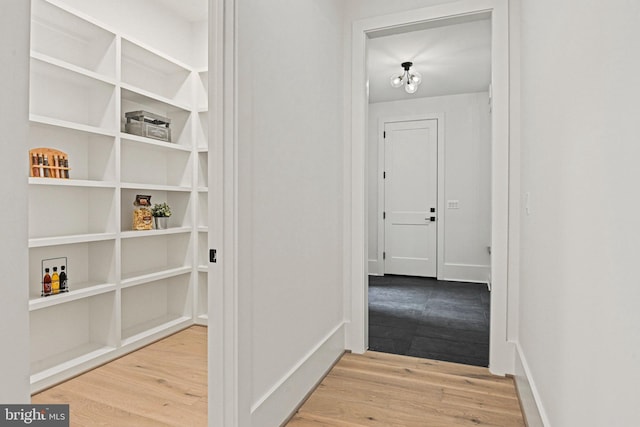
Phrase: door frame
(501,350)
(228,352)
(439,118)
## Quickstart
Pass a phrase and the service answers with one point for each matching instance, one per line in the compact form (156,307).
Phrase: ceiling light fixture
(409,77)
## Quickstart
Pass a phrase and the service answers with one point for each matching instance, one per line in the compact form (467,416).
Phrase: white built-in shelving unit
(201,139)
(127,288)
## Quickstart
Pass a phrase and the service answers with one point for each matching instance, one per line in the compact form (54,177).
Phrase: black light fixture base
(406,65)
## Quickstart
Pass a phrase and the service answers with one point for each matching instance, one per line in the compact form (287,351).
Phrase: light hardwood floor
(377,389)
(165,384)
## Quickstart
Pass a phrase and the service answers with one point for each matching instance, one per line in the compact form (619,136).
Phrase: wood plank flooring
(163,384)
(378,389)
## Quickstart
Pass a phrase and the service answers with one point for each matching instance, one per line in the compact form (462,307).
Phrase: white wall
(360,9)
(14,109)
(140,20)
(199,37)
(467,178)
(580,291)
(289,201)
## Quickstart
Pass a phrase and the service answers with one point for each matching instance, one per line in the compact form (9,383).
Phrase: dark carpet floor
(427,318)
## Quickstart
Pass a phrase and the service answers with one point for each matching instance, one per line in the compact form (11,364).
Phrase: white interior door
(410,197)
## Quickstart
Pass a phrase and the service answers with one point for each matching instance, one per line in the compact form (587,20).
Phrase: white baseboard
(465,273)
(534,413)
(275,406)
(373,267)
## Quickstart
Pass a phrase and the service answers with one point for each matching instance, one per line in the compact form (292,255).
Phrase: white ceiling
(189,10)
(452,59)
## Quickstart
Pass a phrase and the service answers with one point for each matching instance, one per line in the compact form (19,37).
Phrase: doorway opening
(429,193)
(363,223)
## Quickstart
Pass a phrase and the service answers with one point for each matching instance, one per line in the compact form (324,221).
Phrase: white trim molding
(501,358)
(533,411)
(464,273)
(374,268)
(225,385)
(289,392)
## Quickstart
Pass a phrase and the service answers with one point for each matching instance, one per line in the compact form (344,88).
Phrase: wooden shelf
(141,96)
(156,187)
(69,96)
(155,275)
(60,211)
(151,59)
(156,305)
(154,327)
(147,233)
(181,207)
(73,295)
(73,68)
(87,324)
(69,37)
(68,360)
(152,72)
(169,146)
(66,240)
(50,121)
(151,51)
(71,182)
(148,167)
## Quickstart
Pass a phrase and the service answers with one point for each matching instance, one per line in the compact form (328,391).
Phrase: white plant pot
(161,222)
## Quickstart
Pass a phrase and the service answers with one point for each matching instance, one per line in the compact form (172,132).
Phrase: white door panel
(411,174)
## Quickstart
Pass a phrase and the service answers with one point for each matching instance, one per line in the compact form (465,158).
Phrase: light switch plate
(453,204)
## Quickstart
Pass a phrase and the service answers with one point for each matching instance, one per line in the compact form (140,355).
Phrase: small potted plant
(161,212)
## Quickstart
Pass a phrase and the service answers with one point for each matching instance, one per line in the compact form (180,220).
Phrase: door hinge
(384,134)
(384,215)
(212,255)
(384,175)
(384,255)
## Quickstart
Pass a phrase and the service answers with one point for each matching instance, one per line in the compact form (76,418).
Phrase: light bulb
(396,80)
(410,87)
(416,77)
